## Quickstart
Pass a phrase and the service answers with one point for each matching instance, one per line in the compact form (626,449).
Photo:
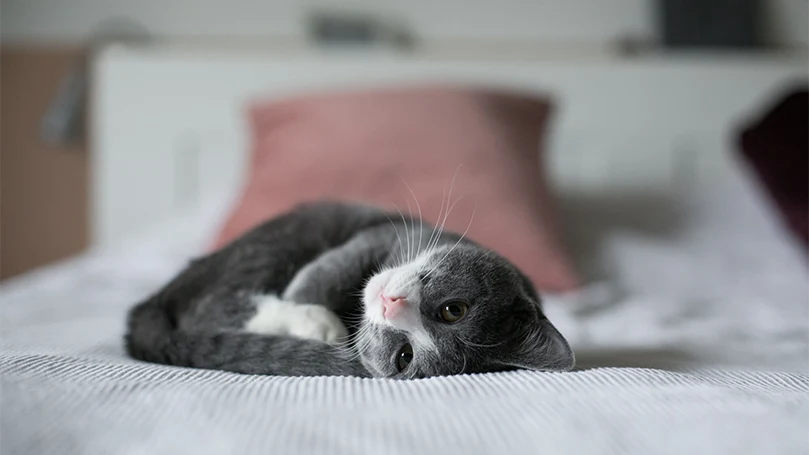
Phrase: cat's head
(452,311)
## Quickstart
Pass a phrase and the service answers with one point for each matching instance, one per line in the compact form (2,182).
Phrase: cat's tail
(152,336)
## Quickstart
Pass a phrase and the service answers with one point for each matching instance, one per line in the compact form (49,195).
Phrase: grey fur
(324,253)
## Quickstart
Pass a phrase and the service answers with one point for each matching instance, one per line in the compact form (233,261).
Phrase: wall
(571,20)
(43,189)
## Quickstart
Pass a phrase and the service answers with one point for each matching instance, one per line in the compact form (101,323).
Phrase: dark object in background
(64,122)
(709,23)
(358,30)
(777,149)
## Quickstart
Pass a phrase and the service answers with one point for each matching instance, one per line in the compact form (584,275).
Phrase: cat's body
(340,289)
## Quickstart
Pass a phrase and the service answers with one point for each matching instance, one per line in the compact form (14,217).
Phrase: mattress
(692,336)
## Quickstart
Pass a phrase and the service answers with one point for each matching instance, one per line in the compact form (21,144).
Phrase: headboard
(169,132)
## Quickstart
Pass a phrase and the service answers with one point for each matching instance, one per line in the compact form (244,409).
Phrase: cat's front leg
(275,316)
(309,305)
(341,271)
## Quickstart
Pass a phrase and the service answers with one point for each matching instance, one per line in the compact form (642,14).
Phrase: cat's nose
(392,306)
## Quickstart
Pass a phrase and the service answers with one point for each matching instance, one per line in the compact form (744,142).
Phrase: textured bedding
(692,337)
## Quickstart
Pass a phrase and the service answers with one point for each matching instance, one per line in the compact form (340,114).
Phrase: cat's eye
(453,311)
(404,357)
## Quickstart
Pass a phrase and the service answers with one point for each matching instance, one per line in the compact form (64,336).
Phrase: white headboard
(169,132)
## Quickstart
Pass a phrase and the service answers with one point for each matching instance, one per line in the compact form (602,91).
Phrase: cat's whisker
(342,344)
(438,218)
(347,344)
(353,318)
(358,347)
(379,266)
(469,225)
(404,223)
(477,345)
(411,234)
(347,341)
(354,355)
(357,292)
(446,215)
(421,219)
(360,342)
(347,353)
(463,368)
(449,208)
(437,229)
(396,231)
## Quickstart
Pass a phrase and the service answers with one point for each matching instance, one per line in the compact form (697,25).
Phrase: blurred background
(46,178)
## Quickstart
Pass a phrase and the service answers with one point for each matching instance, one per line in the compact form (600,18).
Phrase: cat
(343,289)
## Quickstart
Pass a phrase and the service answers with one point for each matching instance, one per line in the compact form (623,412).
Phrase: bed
(691,332)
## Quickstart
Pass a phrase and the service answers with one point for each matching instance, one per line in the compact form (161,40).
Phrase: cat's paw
(279,317)
(316,322)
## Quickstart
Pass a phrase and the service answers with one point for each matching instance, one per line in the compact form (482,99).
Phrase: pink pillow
(363,146)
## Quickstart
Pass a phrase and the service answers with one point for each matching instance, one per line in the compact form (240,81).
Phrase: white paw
(278,317)
(315,322)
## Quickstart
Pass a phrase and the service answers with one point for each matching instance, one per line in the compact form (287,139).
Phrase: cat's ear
(542,348)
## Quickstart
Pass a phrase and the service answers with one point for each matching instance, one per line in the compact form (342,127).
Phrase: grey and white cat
(341,289)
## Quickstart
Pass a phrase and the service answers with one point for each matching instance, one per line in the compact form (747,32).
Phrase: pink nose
(391,306)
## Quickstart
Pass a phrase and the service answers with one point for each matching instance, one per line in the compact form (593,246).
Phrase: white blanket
(692,338)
